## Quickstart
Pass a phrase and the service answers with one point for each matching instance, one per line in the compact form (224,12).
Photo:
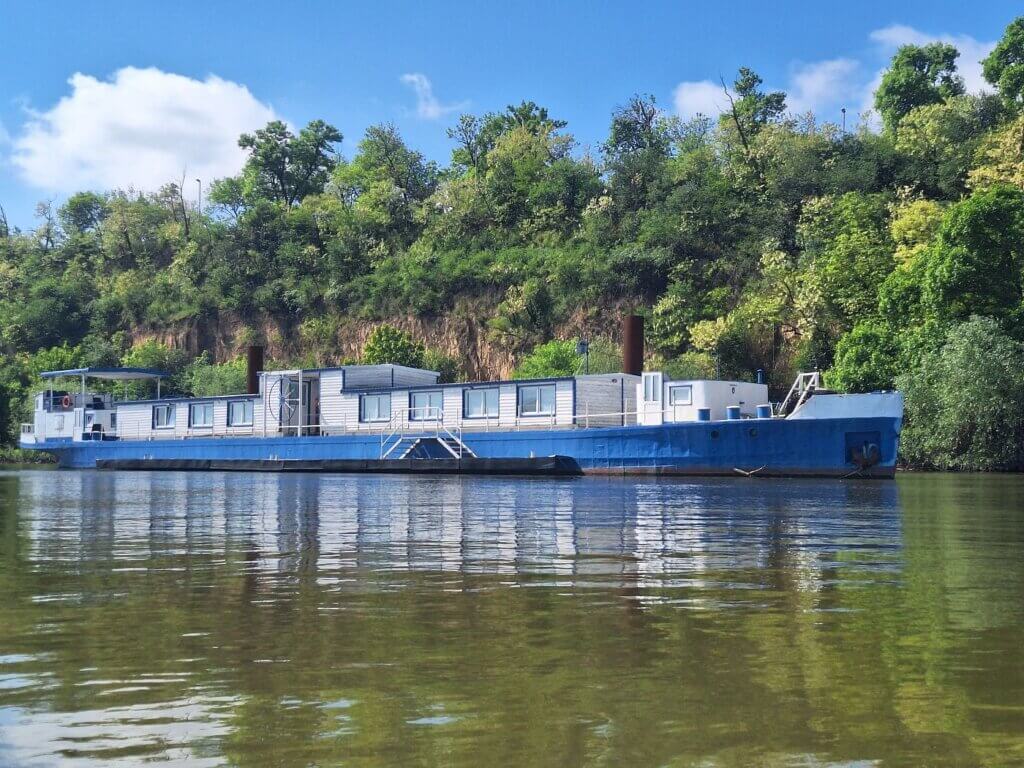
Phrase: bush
(387,344)
(965,405)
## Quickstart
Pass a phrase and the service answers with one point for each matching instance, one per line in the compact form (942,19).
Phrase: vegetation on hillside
(754,239)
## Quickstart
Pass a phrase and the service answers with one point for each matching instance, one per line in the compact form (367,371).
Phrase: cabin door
(651,407)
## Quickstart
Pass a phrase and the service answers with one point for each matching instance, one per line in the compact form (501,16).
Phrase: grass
(12,455)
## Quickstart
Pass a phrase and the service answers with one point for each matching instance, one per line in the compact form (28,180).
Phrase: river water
(297,620)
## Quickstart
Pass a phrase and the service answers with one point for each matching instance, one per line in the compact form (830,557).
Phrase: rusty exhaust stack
(254,365)
(633,344)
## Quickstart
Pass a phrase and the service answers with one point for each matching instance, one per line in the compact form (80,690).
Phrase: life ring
(66,401)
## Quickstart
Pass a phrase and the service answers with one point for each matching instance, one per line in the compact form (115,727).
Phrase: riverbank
(11,455)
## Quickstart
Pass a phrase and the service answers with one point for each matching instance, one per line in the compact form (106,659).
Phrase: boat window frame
(673,402)
(430,393)
(485,392)
(192,408)
(252,413)
(171,416)
(363,398)
(522,388)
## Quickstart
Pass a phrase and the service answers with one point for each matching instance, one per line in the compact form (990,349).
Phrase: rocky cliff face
(461,333)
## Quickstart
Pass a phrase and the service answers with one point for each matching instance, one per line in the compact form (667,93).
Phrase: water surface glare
(209,619)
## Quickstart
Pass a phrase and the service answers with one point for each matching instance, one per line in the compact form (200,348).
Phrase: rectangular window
(375,407)
(240,413)
(163,416)
(680,395)
(200,415)
(480,403)
(537,400)
(426,405)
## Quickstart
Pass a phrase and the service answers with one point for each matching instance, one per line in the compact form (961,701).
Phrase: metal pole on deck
(157,387)
(300,403)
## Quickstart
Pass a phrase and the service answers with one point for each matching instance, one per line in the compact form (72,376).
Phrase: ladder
(805,385)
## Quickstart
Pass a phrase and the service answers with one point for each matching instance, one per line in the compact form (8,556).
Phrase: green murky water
(262,620)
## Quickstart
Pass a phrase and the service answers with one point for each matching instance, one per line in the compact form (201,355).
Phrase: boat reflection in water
(256,619)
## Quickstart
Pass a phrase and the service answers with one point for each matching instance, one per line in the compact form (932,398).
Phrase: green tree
(387,344)
(975,265)
(552,358)
(867,358)
(1004,67)
(284,167)
(917,75)
(965,403)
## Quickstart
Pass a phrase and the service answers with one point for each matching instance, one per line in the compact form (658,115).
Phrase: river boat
(393,418)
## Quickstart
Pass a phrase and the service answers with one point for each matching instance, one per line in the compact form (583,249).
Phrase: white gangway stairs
(422,427)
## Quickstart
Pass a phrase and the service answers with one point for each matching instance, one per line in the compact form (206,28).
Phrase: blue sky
(133,94)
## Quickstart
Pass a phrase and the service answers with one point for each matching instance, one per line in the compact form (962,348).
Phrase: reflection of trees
(457,621)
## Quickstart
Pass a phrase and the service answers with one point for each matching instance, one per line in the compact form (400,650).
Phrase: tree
(867,359)
(917,75)
(387,344)
(552,358)
(1004,67)
(83,212)
(285,167)
(752,108)
(1001,158)
(965,403)
(940,141)
(975,265)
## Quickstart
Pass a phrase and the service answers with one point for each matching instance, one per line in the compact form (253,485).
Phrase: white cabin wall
(135,421)
(332,401)
(716,395)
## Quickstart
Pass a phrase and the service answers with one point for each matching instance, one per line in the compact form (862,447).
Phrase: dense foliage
(755,239)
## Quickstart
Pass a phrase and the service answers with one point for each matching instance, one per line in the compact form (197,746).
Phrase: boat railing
(803,387)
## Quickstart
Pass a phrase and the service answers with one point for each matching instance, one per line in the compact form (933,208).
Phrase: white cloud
(815,87)
(699,97)
(971,51)
(141,129)
(427,105)
(824,87)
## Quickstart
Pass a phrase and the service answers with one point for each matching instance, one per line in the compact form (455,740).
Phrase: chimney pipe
(254,365)
(633,344)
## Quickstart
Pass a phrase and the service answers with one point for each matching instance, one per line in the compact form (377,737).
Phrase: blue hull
(786,447)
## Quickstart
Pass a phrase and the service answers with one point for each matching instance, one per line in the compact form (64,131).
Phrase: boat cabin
(355,399)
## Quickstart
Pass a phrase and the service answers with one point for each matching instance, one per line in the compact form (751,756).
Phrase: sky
(117,95)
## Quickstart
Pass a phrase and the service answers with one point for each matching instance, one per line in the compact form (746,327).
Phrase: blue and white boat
(393,418)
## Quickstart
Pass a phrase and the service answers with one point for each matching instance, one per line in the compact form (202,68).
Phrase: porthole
(714,434)
(752,432)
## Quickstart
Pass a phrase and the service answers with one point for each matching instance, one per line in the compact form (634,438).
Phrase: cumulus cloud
(824,87)
(971,51)
(699,97)
(815,87)
(428,107)
(141,128)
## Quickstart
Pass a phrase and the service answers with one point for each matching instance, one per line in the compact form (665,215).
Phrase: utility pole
(199,183)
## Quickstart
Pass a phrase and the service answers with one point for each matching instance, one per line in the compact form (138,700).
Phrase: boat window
(240,413)
(480,403)
(375,407)
(537,400)
(200,415)
(163,416)
(681,394)
(426,405)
